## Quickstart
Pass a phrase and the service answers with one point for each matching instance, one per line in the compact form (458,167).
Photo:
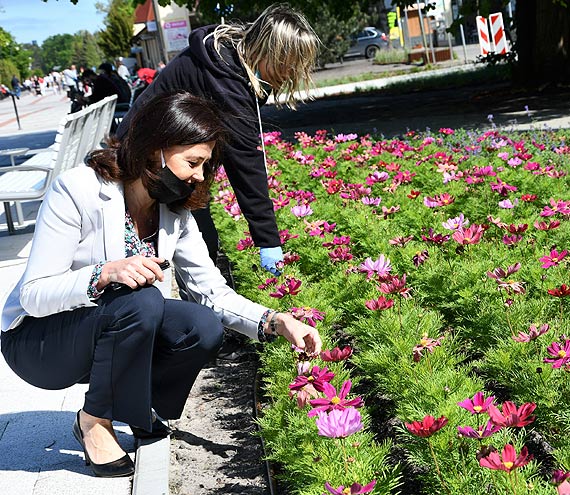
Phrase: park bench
(77,134)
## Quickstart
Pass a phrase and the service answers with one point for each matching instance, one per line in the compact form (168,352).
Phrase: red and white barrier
(483,32)
(498,33)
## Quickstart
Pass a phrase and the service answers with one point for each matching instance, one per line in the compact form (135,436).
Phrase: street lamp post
(16,109)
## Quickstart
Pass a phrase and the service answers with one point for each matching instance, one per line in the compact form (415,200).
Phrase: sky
(28,20)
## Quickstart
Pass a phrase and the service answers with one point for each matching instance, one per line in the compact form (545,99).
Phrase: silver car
(367,42)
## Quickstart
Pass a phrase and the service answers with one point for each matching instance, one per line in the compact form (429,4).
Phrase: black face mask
(169,188)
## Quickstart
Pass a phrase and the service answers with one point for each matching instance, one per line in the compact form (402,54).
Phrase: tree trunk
(551,57)
(543,42)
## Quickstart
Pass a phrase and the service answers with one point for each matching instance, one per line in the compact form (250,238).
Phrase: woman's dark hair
(166,120)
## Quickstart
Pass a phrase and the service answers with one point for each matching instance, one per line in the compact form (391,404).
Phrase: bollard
(16,110)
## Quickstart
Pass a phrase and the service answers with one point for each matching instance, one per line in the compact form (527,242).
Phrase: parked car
(367,42)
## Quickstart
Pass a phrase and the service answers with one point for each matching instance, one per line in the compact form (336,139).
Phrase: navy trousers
(136,350)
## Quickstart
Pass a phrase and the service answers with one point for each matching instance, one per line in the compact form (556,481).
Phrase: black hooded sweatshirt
(200,71)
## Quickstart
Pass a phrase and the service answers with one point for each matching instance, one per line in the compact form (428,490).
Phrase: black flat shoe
(159,430)
(114,469)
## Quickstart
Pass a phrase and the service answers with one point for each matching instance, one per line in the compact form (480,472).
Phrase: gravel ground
(214,449)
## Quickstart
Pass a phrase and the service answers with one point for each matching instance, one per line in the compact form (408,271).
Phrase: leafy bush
(442,260)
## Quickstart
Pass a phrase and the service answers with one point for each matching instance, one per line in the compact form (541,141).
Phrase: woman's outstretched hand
(134,271)
(299,334)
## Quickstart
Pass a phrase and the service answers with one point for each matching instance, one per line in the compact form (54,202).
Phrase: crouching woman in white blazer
(93,305)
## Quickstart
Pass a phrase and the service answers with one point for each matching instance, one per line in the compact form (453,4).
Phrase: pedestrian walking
(238,66)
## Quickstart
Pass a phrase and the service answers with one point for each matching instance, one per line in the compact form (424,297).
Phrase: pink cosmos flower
(426,344)
(386,212)
(245,244)
(499,273)
(520,228)
(556,207)
(354,489)
(343,240)
(508,204)
(554,224)
(339,254)
(339,423)
(434,238)
(336,354)
(512,416)
(560,354)
(396,285)
(380,267)
(334,400)
(268,283)
(234,210)
(456,223)
(400,241)
(301,210)
(511,286)
(379,304)
(478,404)
(285,235)
(559,476)
(307,315)
(510,240)
(371,201)
(377,177)
(291,287)
(290,258)
(303,395)
(533,333)
(553,259)
(471,235)
(317,379)
(420,257)
(482,431)
(507,461)
(427,426)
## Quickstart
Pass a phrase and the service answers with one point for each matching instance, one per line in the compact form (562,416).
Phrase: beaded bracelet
(92,292)
(261,335)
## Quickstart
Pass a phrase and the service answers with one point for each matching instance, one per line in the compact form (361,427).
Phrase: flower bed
(440,261)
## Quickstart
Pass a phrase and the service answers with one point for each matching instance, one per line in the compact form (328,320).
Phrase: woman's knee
(141,309)
(195,327)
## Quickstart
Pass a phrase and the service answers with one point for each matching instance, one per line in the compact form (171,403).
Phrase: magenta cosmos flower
(507,461)
(379,304)
(482,431)
(560,354)
(291,287)
(559,476)
(355,488)
(308,315)
(478,404)
(333,400)
(339,424)
(553,259)
(471,235)
(336,354)
(317,379)
(533,333)
(427,426)
(511,416)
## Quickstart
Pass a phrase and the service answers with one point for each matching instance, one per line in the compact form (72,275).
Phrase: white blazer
(81,223)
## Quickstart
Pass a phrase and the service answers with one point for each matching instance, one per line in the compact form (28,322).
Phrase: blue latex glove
(270,256)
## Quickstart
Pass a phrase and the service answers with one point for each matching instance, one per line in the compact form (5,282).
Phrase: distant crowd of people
(85,85)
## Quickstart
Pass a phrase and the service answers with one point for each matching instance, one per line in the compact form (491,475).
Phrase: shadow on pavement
(36,441)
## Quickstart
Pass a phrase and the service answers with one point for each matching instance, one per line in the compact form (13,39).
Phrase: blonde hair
(283,39)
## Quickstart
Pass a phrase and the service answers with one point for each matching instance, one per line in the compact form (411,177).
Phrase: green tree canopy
(57,51)
(87,52)
(115,39)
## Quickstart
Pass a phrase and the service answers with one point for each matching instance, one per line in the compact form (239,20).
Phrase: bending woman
(237,67)
(97,310)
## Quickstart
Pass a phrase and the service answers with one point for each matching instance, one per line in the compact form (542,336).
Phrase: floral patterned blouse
(133,246)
